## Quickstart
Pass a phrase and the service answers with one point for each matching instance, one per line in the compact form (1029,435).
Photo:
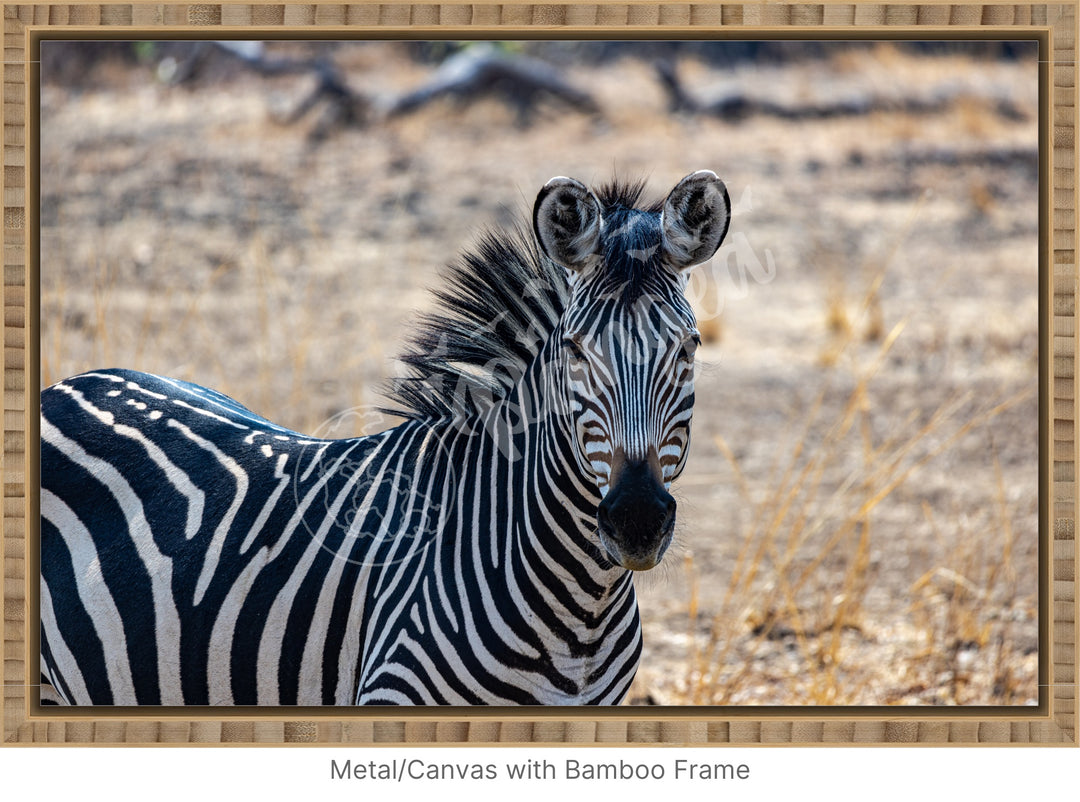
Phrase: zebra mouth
(635,553)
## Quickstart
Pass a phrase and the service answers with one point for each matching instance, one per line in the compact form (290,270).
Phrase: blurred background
(859,514)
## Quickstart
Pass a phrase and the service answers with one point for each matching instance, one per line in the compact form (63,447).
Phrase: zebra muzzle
(636,519)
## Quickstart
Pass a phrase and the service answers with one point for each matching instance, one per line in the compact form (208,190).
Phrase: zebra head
(625,344)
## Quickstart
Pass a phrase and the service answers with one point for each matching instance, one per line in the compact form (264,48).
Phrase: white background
(911,774)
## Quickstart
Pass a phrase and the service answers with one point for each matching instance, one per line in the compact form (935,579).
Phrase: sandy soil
(186,233)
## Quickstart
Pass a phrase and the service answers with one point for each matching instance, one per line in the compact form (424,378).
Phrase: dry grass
(285,323)
(804,520)
(957,607)
(817,509)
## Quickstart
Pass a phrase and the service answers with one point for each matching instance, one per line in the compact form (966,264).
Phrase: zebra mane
(499,304)
(623,195)
(493,315)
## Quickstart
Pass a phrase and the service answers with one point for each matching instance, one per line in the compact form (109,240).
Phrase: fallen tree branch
(473,73)
(481,71)
(735,105)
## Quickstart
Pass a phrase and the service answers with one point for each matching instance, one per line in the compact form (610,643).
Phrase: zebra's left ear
(695,219)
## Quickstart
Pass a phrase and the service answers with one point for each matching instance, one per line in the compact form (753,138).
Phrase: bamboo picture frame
(1052,721)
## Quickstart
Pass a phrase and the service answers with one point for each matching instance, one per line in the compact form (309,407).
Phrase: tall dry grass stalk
(967,609)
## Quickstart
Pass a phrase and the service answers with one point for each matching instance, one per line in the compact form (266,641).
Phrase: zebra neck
(521,548)
(560,503)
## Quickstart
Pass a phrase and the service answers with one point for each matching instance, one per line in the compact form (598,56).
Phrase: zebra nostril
(669,517)
(603,519)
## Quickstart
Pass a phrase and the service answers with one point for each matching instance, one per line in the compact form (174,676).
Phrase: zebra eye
(573,349)
(689,346)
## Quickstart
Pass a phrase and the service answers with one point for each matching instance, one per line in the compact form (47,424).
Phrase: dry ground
(860,511)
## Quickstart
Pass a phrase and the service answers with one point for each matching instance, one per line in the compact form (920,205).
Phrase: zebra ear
(695,219)
(567,221)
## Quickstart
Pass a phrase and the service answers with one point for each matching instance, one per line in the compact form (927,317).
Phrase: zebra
(482,551)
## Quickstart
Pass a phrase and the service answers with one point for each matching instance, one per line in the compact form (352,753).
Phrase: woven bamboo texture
(1053,722)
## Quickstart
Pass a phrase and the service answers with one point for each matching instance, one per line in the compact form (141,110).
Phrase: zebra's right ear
(567,221)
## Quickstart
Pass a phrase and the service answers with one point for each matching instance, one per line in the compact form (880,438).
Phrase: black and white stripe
(478,553)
